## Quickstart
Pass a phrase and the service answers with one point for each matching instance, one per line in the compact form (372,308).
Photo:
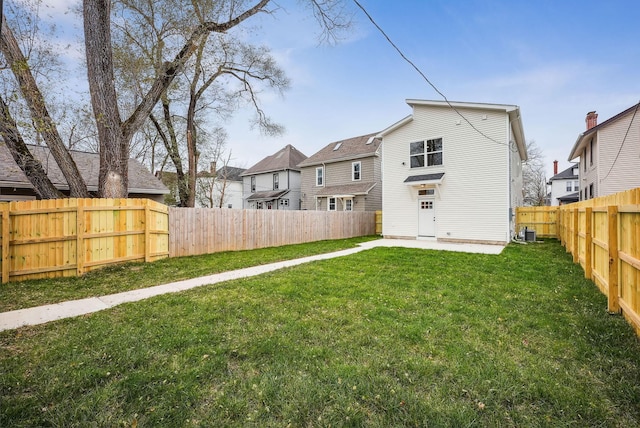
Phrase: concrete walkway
(43,314)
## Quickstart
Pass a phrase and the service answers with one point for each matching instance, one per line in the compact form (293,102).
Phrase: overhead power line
(416,68)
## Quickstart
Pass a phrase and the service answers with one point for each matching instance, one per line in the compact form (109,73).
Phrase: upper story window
(320,176)
(276,181)
(253,183)
(576,186)
(426,153)
(356,167)
(591,152)
(569,186)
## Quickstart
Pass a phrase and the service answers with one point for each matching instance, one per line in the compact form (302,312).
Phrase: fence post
(80,238)
(613,305)
(6,236)
(574,235)
(147,232)
(588,237)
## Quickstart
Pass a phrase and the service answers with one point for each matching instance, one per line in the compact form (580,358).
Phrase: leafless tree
(222,73)
(115,133)
(533,176)
(42,120)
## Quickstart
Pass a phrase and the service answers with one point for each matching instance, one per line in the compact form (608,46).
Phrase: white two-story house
(274,182)
(453,172)
(564,186)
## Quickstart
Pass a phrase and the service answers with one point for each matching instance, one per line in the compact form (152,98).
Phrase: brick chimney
(555,167)
(592,119)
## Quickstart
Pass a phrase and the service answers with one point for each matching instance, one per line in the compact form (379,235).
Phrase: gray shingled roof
(231,173)
(286,158)
(425,177)
(347,189)
(140,179)
(267,196)
(351,148)
(566,174)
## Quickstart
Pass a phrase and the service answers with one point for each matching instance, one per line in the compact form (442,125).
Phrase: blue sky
(557,60)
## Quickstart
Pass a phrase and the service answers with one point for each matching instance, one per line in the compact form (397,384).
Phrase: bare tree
(23,157)
(533,176)
(42,119)
(114,133)
(222,73)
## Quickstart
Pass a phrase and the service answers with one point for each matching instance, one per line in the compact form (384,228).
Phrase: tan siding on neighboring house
(472,203)
(339,173)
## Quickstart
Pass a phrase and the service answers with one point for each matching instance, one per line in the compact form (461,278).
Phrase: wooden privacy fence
(68,237)
(208,230)
(603,235)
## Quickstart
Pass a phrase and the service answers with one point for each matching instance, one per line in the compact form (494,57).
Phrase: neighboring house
(221,188)
(344,176)
(609,154)
(445,179)
(15,186)
(564,186)
(274,182)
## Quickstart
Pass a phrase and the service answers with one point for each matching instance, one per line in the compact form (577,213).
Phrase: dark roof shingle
(351,148)
(286,158)
(140,179)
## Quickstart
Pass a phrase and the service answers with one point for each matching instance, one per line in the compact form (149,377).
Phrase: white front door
(426,217)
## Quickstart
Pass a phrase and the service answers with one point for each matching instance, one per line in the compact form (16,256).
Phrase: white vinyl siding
(473,200)
(625,173)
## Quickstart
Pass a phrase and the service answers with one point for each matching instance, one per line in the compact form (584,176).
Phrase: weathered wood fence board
(603,236)
(68,237)
(208,230)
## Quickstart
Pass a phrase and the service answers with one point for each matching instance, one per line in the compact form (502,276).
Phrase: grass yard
(131,276)
(386,337)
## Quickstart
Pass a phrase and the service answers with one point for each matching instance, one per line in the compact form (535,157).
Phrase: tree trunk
(39,113)
(114,147)
(192,152)
(23,157)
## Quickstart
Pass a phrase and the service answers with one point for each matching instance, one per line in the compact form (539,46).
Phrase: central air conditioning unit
(527,235)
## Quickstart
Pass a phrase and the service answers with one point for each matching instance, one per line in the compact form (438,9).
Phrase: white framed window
(576,186)
(426,192)
(284,202)
(320,176)
(331,205)
(348,205)
(356,168)
(425,153)
(569,186)
(276,181)
(253,183)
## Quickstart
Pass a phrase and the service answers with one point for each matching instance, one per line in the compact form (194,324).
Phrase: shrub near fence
(196,231)
(603,236)
(68,237)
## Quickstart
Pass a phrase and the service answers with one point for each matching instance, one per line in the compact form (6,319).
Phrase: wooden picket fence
(196,231)
(603,236)
(68,237)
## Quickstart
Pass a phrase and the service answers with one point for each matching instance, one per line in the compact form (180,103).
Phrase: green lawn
(131,276)
(385,337)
